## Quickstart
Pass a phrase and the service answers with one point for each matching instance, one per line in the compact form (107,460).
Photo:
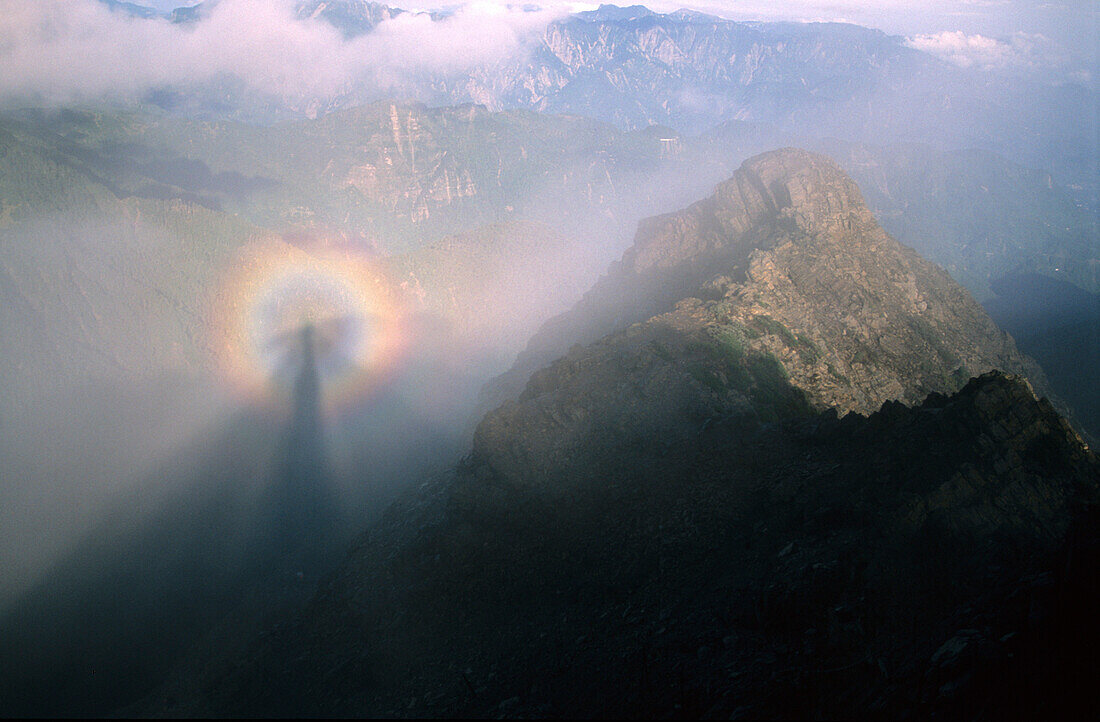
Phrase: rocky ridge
(780,295)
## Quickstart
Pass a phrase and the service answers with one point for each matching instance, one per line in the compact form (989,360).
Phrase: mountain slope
(96,280)
(927,560)
(1058,325)
(784,263)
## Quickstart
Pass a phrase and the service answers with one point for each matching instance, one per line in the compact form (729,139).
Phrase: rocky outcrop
(778,295)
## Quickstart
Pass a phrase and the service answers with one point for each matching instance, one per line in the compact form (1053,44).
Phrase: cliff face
(692,68)
(777,296)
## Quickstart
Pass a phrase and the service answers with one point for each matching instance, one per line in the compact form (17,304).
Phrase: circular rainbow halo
(275,291)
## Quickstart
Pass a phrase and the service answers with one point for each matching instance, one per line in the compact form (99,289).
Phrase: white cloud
(64,51)
(1021,50)
(964,50)
(60,51)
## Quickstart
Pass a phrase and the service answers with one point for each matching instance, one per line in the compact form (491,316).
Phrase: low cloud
(57,52)
(61,51)
(1020,51)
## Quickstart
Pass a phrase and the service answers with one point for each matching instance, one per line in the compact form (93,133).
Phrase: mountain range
(633,67)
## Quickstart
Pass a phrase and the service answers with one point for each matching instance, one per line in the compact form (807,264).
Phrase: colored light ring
(275,290)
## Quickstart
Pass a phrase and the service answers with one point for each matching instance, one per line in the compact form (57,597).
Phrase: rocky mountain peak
(792,188)
(809,189)
(778,296)
(615,13)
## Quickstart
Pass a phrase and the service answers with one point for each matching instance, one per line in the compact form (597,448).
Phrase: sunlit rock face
(779,295)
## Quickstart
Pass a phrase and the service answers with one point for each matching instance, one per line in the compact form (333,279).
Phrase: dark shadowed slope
(245,514)
(934,560)
(1059,325)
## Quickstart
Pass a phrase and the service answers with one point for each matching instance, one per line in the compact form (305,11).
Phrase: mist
(121,324)
(169,434)
(58,52)
(133,523)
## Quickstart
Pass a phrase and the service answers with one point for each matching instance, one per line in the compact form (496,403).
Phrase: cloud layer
(60,51)
(57,52)
(1021,51)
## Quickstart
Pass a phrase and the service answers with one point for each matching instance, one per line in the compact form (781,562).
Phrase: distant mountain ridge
(634,67)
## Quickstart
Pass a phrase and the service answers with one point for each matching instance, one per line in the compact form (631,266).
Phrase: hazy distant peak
(132,9)
(687,16)
(614,13)
(352,17)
